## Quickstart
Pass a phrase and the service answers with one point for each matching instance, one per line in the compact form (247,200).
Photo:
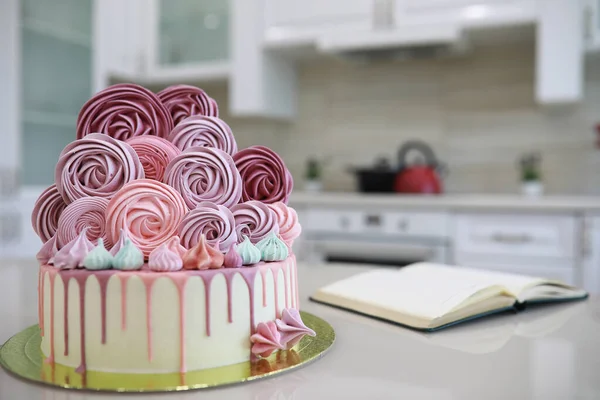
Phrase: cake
(165,248)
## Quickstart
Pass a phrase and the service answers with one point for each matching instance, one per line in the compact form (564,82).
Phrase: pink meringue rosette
(150,211)
(205,174)
(287,219)
(46,212)
(86,213)
(265,176)
(204,131)
(214,221)
(71,256)
(254,220)
(183,101)
(292,328)
(155,154)
(266,340)
(96,165)
(122,111)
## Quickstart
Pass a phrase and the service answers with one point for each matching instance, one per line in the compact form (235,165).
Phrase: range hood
(386,39)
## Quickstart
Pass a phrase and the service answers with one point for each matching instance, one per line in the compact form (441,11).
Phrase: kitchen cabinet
(46,75)
(164,41)
(56,80)
(538,245)
(591,22)
(290,22)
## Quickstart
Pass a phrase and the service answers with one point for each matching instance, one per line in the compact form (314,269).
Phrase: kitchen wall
(477,112)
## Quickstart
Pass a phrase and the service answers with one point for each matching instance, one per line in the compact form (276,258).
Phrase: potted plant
(313,176)
(531,179)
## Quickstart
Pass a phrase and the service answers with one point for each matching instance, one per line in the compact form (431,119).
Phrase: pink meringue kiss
(265,176)
(205,174)
(287,219)
(86,213)
(162,259)
(232,258)
(150,211)
(215,222)
(174,244)
(97,166)
(155,154)
(292,328)
(46,212)
(203,256)
(183,101)
(203,131)
(266,339)
(254,220)
(123,111)
(71,256)
(47,252)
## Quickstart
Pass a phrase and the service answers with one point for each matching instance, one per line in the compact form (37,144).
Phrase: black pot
(377,179)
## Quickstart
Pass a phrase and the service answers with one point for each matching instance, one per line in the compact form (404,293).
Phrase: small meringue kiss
(203,256)
(163,259)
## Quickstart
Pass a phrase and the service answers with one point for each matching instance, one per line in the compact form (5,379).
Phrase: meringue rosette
(254,220)
(287,219)
(155,154)
(205,174)
(183,101)
(292,328)
(46,212)
(204,131)
(266,340)
(122,111)
(150,211)
(86,213)
(214,221)
(265,176)
(96,165)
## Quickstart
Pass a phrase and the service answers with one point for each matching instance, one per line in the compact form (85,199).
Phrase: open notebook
(429,296)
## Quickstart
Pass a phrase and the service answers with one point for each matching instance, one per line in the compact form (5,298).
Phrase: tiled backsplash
(477,112)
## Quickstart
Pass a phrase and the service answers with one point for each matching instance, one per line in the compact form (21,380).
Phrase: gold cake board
(22,356)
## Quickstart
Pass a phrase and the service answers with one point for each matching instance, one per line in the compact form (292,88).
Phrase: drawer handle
(511,239)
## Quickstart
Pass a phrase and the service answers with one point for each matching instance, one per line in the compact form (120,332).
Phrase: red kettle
(420,177)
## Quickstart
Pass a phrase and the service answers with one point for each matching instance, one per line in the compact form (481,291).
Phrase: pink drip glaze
(229,282)
(52,275)
(180,282)
(263,274)
(103,281)
(66,307)
(148,280)
(41,302)
(180,279)
(207,279)
(123,279)
(275,273)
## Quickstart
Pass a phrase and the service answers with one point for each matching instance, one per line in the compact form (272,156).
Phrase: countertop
(448,201)
(547,353)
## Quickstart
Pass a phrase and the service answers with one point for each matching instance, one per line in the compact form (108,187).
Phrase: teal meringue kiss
(249,253)
(272,248)
(129,258)
(99,258)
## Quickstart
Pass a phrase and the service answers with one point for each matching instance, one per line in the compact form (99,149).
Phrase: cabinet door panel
(192,31)
(316,12)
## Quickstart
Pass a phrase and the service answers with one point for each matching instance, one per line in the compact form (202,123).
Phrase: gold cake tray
(22,356)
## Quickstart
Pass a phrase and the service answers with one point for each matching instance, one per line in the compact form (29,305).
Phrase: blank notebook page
(424,290)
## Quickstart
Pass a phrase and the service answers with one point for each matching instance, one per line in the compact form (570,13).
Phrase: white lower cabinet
(541,245)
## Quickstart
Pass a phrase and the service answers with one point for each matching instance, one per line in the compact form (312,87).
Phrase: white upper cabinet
(591,21)
(292,22)
(163,41)
(465,12)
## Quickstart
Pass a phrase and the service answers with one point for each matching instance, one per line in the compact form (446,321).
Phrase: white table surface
(549,353)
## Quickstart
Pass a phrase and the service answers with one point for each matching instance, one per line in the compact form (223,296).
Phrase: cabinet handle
(588,22)
(511,239)
(403,225)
